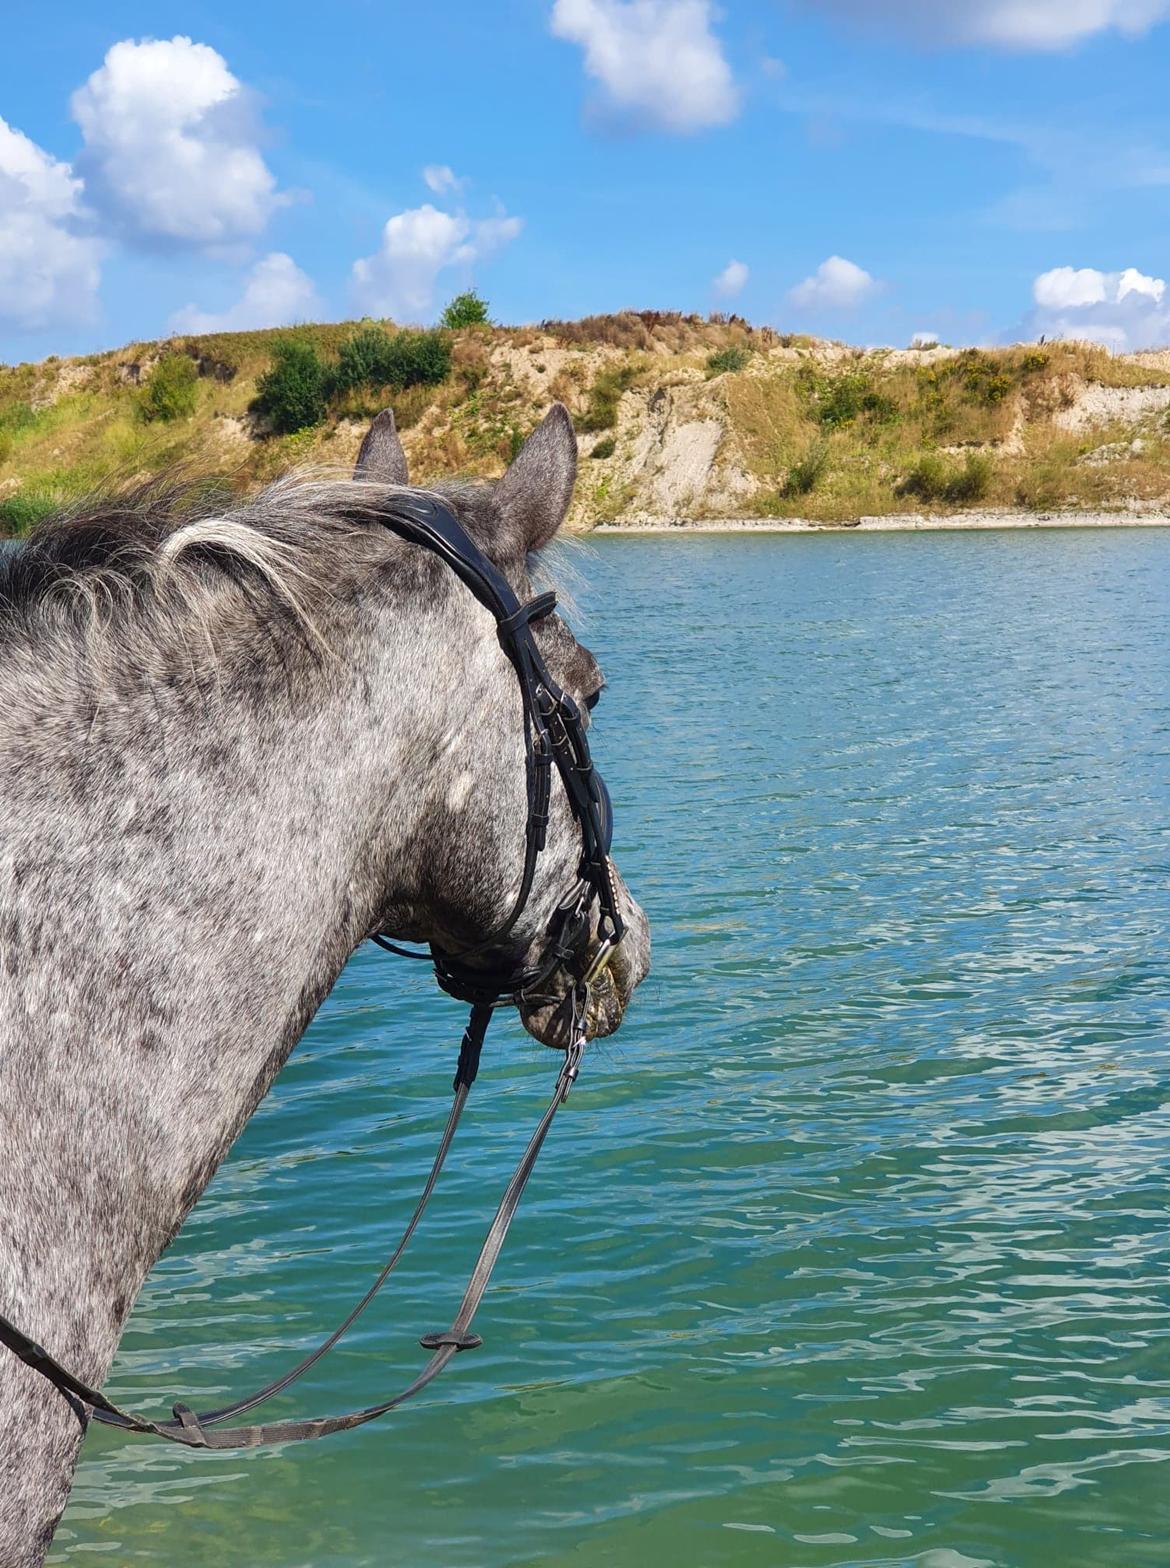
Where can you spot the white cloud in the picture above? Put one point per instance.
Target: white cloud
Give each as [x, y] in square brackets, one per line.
[1123, 310]
[1068, 286]
[417, 245]
[170, 145]
[276, 294]
[837, 284]
[657, 61]
[731, 280]
[492, 234]
[924, 340]
[1009, 24]
[49, 271]
[442, 179]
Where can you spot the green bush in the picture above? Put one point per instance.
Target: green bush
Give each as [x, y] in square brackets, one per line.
[363, 360]
[934, 479]
[419, 359]
[805, 474]
[973, 480]
[604, 448]
[604, 397]
[19, 512]
[731, 358]
[839, 400]
[17, 416]
[984, 378]
[466, 310]
[373, 357]
[293, 394]
[171, 391]
[14, 419]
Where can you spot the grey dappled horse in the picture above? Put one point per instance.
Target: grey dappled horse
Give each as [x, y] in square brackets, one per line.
[232, 747]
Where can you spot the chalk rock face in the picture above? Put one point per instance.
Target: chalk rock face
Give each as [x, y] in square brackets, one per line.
[674, 455]
[1099, 405]
[682, 472]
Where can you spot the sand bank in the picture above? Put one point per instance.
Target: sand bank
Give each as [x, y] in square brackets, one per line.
[906, 522]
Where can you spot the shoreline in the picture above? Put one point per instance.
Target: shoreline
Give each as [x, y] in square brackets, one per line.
[895, 522]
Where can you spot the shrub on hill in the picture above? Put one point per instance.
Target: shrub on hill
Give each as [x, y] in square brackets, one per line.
[363, 360]
[19, 512]
[934, 479]
[604, 397]
[171, 391]
[727, 359]
[15, 419]
[805, 474]
[293, 394]
[373, 358]
[419, 359]
[840, 399]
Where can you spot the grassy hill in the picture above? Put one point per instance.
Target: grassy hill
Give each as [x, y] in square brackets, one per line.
[679, 417]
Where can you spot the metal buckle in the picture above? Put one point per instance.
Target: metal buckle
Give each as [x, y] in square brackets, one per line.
[572, 1064]
[600, 961]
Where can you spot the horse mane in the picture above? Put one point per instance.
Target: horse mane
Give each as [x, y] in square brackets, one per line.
[163, 557]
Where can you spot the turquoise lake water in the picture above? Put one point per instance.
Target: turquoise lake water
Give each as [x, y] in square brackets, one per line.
[852, 1247]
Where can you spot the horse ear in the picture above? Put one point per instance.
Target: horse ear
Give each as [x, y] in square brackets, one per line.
[535, 492]
[381, 456]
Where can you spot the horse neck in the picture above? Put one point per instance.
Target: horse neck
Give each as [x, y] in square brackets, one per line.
[180, 884]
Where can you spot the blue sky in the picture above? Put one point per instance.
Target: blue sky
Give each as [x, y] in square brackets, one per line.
[873, 168]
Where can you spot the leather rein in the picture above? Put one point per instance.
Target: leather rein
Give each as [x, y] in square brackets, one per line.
[554, 736]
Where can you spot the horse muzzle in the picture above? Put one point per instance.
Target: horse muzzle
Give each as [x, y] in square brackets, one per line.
[554, 1018]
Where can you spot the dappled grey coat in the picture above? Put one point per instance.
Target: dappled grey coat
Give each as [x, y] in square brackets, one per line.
[234, 741]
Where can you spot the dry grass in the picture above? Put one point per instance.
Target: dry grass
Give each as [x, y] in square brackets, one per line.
[824, 431]
[659, 331]
[878, 433]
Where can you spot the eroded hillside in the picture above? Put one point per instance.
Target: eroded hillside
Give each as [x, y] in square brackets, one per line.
[679, 418]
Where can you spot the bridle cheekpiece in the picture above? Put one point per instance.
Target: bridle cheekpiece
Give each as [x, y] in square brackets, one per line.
[554, 734]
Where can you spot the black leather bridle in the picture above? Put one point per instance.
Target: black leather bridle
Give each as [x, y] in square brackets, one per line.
[554, 733]
[554, 736]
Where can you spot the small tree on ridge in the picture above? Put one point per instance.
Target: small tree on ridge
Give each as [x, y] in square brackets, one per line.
[466, 310]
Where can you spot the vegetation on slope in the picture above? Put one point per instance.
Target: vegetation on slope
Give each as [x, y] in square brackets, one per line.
[980, 427]
[679, 416]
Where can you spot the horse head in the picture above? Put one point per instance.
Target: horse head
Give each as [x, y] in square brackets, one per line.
[472, 844]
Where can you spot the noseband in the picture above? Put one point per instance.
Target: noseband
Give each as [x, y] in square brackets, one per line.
[554, 735]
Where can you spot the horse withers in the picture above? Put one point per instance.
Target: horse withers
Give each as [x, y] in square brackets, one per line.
[235, 742]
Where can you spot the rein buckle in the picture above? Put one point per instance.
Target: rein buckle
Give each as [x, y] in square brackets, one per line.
[449, 1338]
[571, 1065]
